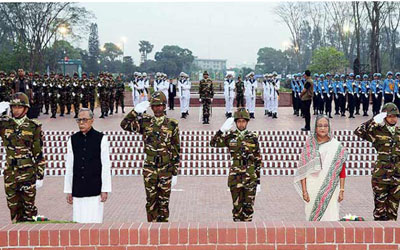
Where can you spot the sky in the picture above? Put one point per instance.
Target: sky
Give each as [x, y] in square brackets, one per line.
[211, 30]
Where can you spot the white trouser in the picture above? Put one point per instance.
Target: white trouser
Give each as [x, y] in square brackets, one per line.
[229, 104]
[135, 97]
[274, 104]
[266, 103]
[184, 100]
[250, 104]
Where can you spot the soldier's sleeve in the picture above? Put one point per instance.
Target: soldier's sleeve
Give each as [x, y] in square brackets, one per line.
[257, 159]
[37, 150]
[200, 90]
[367, 130]
[219, 140]
[176, 149]
[131, 122]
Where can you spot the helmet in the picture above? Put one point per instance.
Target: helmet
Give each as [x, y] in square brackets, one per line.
[390, 108]
[342, 76]
[365, 76]
[328, 74]
[144, 74]
[358, 76]
[379, 74]
[241, 113]
[158, 98]
[389, 73]
[322, 75]
[205, 73]
[274, 73]
[316, 75]
[182, 74]
[20, 99]
[251, 73]
[397, 73]
[351, 74]
[336, 75]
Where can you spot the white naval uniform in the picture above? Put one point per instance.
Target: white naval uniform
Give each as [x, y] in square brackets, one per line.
[89, 209]
[266, 94]
[229, 93]
[274, 95]
[184, 92]
[250, 94]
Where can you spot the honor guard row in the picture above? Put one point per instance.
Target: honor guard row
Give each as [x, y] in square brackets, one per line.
[348, 93]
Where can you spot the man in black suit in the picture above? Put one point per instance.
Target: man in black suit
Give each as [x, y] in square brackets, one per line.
[171, 94]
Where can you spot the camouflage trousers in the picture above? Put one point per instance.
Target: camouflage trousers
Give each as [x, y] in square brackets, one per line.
[386, 199]
[20, 198]
[157, 183]
[68, 102]
[104, 103]
[85, 101]
[206, 107]
[76, 100]
[91, 101]
[119, 99]
[46, 102]
[53, 105]
[243, 191]
[111, 103]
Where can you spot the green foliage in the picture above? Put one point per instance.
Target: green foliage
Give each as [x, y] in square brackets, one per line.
[328, 59]
[270, 59]
[173, 59]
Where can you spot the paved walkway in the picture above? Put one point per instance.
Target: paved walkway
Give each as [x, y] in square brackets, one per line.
[198, 199]
[285, 121]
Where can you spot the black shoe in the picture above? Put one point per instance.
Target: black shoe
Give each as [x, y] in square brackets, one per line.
[337, 113]
[116, 111]
[365, 114]
[182, 115]
[357, 113]
[53, 116]
[229, 115]
[269, 114]
[69, 112]
[265, 112]
[62, 115]
[123, 111]
[102, 115]
[106, 114]
[275, 116]
[76, 116]
[342, 115]
[305, 129]
[187, 113]
[47, 112]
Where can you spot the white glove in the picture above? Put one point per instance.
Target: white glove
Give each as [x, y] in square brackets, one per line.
[98, 95]
[4, 106]
[174, 180]
[39, 184]
[379, 117]
[258, 188]
[228, 124]
[73, 94]
[141, 107]
[199, 99]
[376, 96]
[328, 95]
[58, 95]
[81, 95]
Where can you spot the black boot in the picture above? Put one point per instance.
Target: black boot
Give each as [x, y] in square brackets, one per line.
[182, 115]
[365, 113]
[265, 112]
[61, 114]
[330, 116]
[76, 115]
[53, 116]
[123, 111]
[275, 116]
[187, 113]
[269, 114]
[116, 110]
[102, 115]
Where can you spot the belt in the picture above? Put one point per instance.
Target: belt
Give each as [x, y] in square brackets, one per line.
[19, 162]
[389, 158]
[158, 159]
[242, 162]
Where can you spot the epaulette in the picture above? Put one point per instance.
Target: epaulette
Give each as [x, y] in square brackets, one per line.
[36, 122]
[174, 121]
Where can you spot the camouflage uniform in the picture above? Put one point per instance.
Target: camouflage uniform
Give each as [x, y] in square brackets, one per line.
[46, 91]
[386, 173]
[162, 148]
[244, 173]
[37, 91]
[68, 93]
[92, 92]
[10, 81]
[119, 95]
[239, 93]
[5, 90]
[62, 88]
[76, 94]
[103, 96]
[25, 164]
[111, 92]
[84, 82]
[53, 95]
[206, 92]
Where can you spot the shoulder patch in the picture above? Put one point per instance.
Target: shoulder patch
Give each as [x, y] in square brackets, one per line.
[173, 121]
[36, 122]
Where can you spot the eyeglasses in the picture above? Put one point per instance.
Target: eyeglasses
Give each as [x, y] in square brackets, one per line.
[322, 126]
[84, 120]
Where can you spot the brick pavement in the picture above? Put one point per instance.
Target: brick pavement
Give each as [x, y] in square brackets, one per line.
[198, 199]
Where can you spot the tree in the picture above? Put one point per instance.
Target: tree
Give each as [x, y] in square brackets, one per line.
[174, 59]
[110, 52]
[35, 25]
[145, 48]
[328, 59]
[57, 52]
[270, 59]
[127, 65]
[94, 49]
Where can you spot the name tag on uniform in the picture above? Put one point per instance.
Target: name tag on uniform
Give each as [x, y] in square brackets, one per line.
[24, 132]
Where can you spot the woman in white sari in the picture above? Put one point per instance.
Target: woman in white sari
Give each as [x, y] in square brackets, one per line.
[320, 174]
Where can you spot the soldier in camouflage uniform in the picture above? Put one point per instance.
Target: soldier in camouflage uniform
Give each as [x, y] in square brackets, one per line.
[62, 91]
[92, 91]
[68, 93]
[206, 92]
[162, 148]
[53, 94]
[111, 92]
[4, 86]
[10, 82]
[244, 173]
[385, 137]
[119, 94]
[84, 82]
[22, 139]
[46, 91]
[102, 94]
[239, 92]
[37, 91]
[76, 94]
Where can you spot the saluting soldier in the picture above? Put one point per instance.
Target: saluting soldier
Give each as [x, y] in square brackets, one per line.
[162, 149]
[244, 173]
[384, 135]
[206, 93]
[24, 170]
